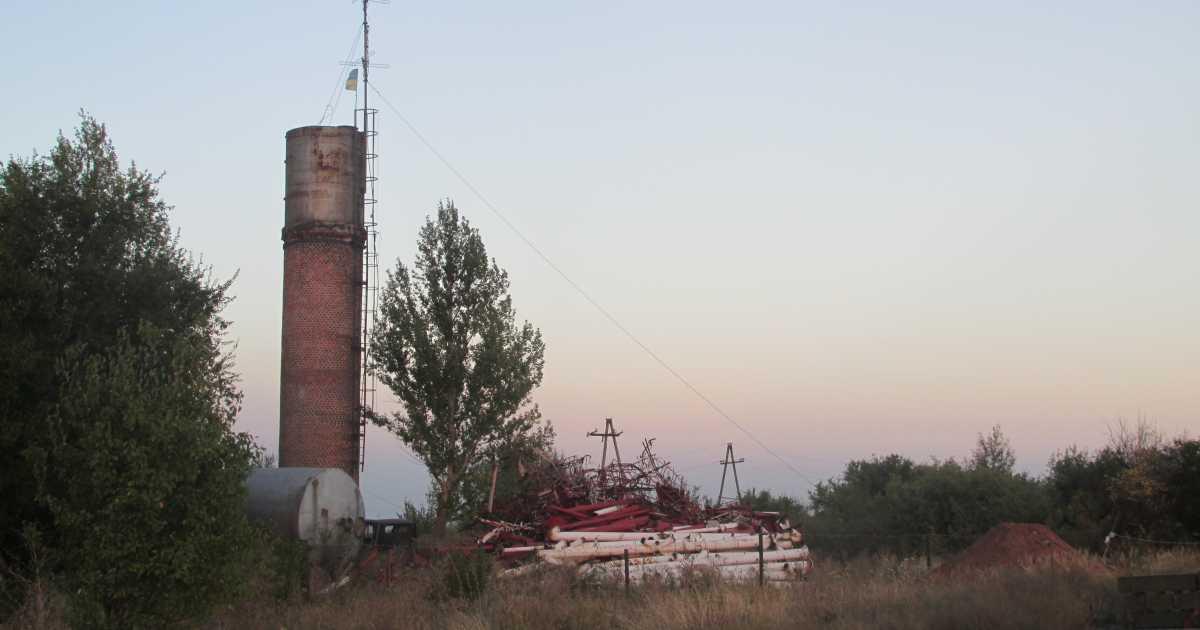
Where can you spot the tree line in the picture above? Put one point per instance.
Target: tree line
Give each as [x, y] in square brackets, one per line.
[1139, 486]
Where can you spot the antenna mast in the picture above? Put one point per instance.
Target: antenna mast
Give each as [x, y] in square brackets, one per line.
[370, 263]
[366, 61]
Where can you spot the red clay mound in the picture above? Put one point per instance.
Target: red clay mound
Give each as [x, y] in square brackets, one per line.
[1015, 545]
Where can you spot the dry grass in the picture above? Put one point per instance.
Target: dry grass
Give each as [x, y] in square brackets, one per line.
[44, 609]
[881, 592]
[1014, 600]
[877, 593]
[1168, 561]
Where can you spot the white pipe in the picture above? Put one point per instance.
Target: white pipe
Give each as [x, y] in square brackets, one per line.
[621, 540]
[614, 544]
[801, 565]
[557, 535]
[773, 571]
[516, 550]
[640, 560]
[728, 535]
[723, 527]
[582, 552]
[706, 528]
[728, 558]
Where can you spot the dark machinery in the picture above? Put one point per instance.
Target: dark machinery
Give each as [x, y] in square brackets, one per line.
[388, 544]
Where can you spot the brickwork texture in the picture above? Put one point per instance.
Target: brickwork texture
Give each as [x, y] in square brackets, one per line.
[322, 317]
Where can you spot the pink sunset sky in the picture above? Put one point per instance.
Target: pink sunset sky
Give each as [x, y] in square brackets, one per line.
[859, 229]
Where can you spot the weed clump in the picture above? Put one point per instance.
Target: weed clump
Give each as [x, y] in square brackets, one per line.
[464, 576]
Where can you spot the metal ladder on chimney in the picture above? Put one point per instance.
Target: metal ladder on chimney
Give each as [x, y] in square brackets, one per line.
[370, 285]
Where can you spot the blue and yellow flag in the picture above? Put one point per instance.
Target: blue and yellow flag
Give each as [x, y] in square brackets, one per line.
[352, 80]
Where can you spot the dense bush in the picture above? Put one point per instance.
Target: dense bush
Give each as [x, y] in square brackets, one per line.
[892, 504]
[154, 527]
[117, 397]
[1139, 486]
[763, 501]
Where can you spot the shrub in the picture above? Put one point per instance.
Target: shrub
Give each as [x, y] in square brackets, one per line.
[155, 530]
[465, 576]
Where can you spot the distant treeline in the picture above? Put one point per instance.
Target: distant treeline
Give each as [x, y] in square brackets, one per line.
[1139, 486]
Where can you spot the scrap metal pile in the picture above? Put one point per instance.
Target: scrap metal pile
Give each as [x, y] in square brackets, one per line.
[641, 513]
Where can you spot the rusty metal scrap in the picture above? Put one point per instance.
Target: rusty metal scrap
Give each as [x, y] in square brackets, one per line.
[640, 513]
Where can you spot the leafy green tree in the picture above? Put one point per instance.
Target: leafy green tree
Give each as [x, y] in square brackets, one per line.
[789, 507]
[508, 461]
[1078, 484]
[851, 498]
[1139, 485]
[957, 505]
[446, 342]
[851, 514]
[92, 280]
[892, 504]
[153, 532]
[1181, 471]
[993, 452]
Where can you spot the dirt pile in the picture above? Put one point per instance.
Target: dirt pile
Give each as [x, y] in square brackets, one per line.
[1016, 545]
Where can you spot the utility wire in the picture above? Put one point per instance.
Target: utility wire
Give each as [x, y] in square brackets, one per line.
[409, 454]
[603, 311]
[398, 507]
[335, 97]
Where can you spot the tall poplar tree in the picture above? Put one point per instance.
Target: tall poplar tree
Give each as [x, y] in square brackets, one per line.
[447, 343]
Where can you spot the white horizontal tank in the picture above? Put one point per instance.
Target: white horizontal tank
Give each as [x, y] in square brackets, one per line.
[320, 506]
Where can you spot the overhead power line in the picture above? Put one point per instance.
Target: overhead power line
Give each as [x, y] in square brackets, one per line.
[579, 289]
[391, 503]
[335, 97]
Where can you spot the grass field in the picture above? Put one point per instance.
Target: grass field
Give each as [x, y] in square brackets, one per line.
[880, 592]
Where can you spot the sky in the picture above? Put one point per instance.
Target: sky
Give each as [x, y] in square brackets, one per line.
[857, 228]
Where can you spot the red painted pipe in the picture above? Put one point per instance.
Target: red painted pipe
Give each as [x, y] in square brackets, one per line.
[623, 525]
[573, 512]
[592, 507]
[607, 518]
